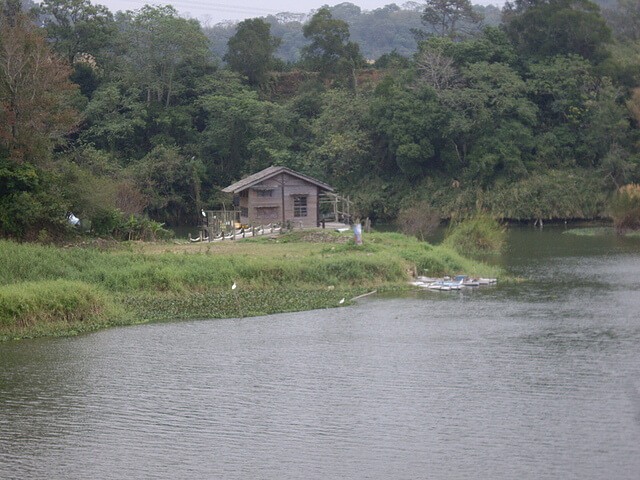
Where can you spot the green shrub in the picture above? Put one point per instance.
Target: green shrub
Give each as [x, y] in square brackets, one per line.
[418, 220]
[480, 233]
[625, 208]
[106, 221]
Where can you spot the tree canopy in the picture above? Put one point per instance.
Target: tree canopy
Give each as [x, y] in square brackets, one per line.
[330, 48]
[558, 27]
[450, 18]
[251, 50]
[121, 118]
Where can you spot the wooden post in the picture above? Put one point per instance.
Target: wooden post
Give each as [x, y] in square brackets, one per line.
[317, 207]
[282, 190]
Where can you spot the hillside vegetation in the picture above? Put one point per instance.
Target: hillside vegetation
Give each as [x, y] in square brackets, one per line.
[130, 121]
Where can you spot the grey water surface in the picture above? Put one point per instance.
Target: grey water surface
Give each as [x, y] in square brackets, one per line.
[532, 380]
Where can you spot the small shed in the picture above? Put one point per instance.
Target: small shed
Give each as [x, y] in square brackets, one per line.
[278, 194]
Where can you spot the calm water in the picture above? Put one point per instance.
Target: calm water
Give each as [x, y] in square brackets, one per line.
[539, 380]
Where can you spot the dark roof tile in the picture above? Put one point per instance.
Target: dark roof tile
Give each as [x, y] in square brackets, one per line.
[268, 173]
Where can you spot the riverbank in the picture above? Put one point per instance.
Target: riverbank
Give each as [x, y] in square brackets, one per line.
[600, 230]
[554, 195]
[47, 291]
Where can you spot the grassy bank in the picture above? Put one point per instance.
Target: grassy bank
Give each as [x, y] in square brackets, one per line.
[48, 290]
[600, 231]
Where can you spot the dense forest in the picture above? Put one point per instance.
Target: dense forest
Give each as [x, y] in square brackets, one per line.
[131, 117]
[379, 31]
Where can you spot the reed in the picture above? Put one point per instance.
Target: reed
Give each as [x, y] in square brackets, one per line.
[123, 271]
[28, 305]
[479, 233]
[625, 208]
[553, 194]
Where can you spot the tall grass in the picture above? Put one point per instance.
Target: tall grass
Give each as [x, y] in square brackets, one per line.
[479, 233]
[27, 303]
[123, 272]
[625, 208]
[550, 195]
[47, 285]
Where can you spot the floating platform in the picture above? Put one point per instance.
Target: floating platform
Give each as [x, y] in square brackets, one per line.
[447, 284]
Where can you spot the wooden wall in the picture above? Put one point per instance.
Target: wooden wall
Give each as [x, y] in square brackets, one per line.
[268, 209]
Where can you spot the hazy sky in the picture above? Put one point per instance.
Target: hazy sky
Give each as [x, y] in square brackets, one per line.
[218, 11]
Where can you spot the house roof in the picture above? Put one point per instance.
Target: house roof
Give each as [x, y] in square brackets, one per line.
[270, 172]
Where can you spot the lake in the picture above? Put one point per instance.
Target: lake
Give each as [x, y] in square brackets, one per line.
[538, 379]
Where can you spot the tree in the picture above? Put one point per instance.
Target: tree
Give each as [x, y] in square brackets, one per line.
[436, 69]
[582, 113]
[35, 93]
[160, 49]
[31, 203]
[450, 18]
[148, 98]
[77, 27]
[171, 182]
[251, 50]
[490, 45]
[35, 116]
[11, 10]
[242, 133]
[540, 28]
[625, 19]
[633, 104]
[342, 140]
[330, 51]
[407, 126]
[116, 120]
[490, 129]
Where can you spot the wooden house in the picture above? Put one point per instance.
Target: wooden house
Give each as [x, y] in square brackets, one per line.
[278, 194]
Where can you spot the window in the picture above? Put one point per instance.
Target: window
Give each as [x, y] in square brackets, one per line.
[244, 212]
[244, 194]
[300, 206]
[267, 213]
[265, 193]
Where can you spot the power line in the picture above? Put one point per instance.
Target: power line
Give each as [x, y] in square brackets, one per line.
[185, 4]
[227, 7]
